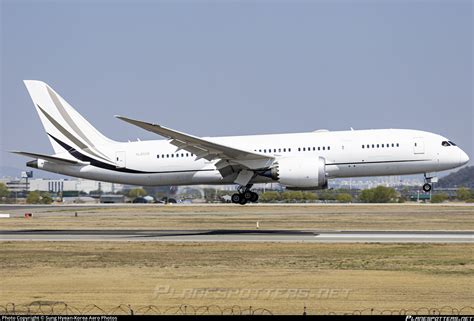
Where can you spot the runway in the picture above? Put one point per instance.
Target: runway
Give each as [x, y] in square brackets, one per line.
[241, 236]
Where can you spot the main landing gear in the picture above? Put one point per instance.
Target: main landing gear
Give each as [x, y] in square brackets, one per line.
[244, 195]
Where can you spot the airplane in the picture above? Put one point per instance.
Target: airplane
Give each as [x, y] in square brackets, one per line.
[300, 161]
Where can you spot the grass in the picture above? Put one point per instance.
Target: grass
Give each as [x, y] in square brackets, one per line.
[281, 277]
[328, 277]
[319, 217]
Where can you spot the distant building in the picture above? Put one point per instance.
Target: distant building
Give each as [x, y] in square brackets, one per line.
[60, 185]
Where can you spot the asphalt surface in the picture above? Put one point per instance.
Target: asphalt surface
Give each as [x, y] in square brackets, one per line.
[241, 236]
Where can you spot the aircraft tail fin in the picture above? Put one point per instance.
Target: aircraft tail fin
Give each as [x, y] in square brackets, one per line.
[65, 127]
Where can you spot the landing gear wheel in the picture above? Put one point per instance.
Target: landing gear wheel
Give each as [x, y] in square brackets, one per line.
[243, 201]
[254, 197]
[236, 198]
[248, 195]
[427, 187]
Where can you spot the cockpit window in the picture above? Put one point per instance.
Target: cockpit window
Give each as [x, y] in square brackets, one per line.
[445, 143]
[451, 143]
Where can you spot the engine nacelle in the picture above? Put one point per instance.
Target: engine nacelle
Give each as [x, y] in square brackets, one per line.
[300, 172]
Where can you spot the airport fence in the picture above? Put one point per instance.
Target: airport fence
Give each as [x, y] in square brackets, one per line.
[62, 308]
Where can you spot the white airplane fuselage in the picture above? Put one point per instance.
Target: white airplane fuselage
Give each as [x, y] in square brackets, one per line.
[297, 161]
[352, 153]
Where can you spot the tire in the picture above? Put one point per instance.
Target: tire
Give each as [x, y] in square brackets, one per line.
[254, 197]
[236, 198]
[248, 195]
[243, 201]
[427, 187]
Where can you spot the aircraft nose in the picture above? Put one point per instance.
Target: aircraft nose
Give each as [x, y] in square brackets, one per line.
[463, 159]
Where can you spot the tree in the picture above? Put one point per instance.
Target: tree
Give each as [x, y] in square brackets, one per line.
[136, 192]
[35, 197]
[269, 196]
[292, 196]
[367, 196]
[380, 194]
[310, 196]
[463, 194]
[326, 195]
[439, 198]
[45, 198]
[4, 192]
[344, 198]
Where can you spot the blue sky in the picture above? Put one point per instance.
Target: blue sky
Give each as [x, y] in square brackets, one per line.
[230, 68]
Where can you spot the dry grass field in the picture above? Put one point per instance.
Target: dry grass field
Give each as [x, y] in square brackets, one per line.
[281, 277]
[318, 217]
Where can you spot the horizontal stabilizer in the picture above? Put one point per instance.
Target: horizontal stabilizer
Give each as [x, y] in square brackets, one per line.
[53, 159]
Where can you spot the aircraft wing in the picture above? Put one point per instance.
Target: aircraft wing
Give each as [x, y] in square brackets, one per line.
[205, 148]
[53, 159]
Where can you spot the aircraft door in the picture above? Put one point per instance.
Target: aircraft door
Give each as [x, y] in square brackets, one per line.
[120, 160]
[418, 145]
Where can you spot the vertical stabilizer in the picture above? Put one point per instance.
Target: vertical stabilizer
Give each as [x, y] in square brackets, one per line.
[65, 127]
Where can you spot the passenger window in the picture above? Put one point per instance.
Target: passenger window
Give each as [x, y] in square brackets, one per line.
[373, 146]
[299, 149]
[398, 145]
[377, 145]
[167, 155]
[324, 148]
[289, 149]
[383, 145]
[284, 150]
[363, 146]
[393, 145]
[329, 147]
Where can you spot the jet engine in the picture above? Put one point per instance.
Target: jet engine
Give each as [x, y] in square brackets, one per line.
[299, 173]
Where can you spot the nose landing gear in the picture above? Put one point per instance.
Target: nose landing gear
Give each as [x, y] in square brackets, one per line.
[244, 195]
[427, 187]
